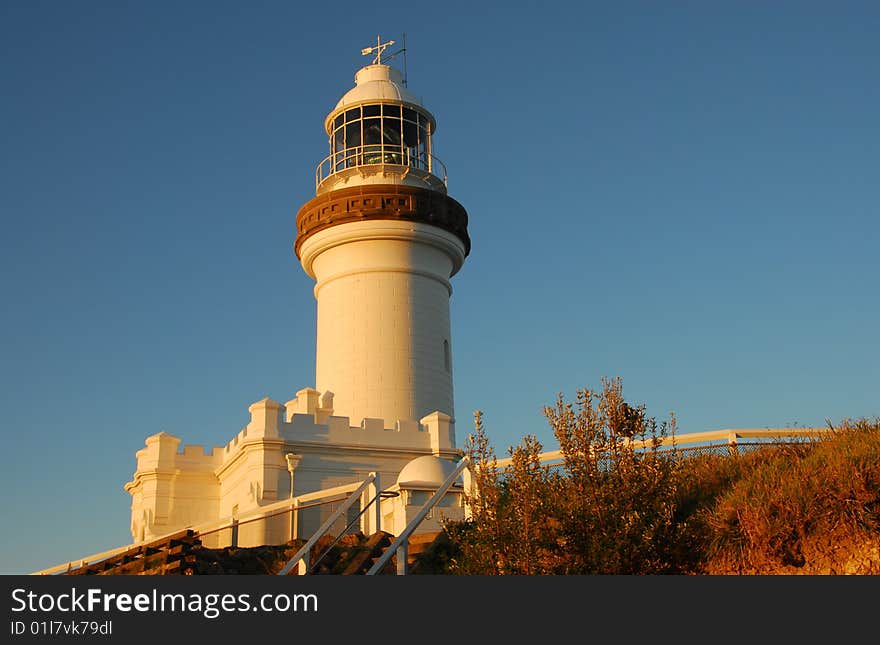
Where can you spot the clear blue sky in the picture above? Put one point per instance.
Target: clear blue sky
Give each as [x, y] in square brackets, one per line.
[682, 194]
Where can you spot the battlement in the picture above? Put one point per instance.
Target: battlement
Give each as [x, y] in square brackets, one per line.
[163, 452]
[308, 419]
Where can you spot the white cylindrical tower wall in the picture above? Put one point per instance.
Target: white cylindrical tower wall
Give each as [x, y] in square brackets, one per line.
[384, 346]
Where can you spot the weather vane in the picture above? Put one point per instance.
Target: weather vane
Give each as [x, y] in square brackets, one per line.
[379, 48]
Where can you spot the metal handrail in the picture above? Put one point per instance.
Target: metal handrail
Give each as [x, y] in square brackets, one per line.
[382, 494]
[289, 507]
[378, 155]
[400, 543]
[303, 553]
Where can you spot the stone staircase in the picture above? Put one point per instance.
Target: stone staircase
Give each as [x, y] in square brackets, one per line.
[183, 554]
[172, 555]
[357, 554]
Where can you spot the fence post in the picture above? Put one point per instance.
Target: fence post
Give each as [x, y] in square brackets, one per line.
[731, 443]
[366, 519]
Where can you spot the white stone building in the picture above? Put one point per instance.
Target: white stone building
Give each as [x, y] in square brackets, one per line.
[381, 238]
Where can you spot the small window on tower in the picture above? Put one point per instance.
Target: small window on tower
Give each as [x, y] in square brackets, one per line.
[447, 356]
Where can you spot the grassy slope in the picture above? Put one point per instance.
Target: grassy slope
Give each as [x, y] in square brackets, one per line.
[811, 508]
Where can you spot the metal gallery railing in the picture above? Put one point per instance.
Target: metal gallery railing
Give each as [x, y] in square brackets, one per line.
[377, 155]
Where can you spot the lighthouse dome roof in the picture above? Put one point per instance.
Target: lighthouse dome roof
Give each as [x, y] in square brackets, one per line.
[426, 472]
[377, 84]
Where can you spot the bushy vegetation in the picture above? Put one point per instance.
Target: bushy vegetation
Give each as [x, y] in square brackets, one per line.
[619, 504]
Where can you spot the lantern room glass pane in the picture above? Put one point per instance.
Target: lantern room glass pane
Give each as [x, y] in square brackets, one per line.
[372, 131]
[391, 110]
[353, 134]
[422, 149]
[352, 115]
[410, 134]
[391, 131]
[391, 140]
[411, 143]
[372, 110]
[338, 121]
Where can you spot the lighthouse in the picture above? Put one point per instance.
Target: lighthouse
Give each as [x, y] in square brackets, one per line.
[382, 238]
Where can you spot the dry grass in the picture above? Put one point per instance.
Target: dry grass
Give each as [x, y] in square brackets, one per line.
[810, 507]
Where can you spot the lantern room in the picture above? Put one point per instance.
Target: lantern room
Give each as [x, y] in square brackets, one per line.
[379, 132]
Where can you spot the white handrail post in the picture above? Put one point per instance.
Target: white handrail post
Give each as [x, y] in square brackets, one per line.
[366, 496]
[378, 503]
[372, 524]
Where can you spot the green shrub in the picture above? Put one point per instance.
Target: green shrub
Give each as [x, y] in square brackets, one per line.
[609, 508]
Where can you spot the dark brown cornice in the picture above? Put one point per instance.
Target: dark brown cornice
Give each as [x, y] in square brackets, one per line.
[381, 201]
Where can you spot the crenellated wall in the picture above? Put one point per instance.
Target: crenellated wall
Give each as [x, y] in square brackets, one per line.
[176, 487]
[172, 487]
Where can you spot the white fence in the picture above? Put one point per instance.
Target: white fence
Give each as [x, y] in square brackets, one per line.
[706, 440]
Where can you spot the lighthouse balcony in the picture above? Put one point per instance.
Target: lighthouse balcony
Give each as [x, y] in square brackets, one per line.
[382, 164]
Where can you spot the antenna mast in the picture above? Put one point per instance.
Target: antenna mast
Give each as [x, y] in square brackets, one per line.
[404, 59]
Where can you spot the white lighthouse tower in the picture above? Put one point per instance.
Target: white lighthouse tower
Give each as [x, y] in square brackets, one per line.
[381, 239]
